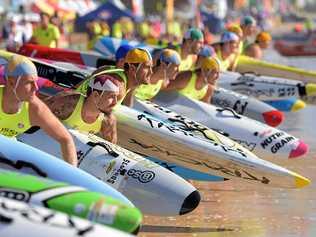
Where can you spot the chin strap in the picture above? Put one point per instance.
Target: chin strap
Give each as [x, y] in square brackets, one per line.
[164, 74]
[204, 76]
[14, 91]
[137, 69]
[97, 103]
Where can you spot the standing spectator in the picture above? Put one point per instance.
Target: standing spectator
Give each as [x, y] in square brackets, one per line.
[46, 34]
[27, 29]
[117, 30]
[105, 28]
[57, 20]
[14, 35]
[94, 32]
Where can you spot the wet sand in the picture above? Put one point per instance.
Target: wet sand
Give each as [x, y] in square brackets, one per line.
[239, 209]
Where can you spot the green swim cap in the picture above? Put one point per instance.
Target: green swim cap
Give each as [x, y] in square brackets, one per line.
[248, 20]
[194, 34]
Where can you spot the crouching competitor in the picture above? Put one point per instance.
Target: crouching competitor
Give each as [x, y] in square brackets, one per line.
[136, 65]
[228, 51]
[165, 70]
[92, 111]
[262, 42]
[89, 108]
[192, 43]
[200, 83]
[21, 109]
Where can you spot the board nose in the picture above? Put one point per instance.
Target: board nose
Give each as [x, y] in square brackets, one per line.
[136, 231]
[300, 150]
[273, 118]
[190, 202]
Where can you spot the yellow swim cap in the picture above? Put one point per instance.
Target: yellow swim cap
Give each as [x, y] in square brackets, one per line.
[138, 55]
[263, 37]
[235, 29]
[210, 63]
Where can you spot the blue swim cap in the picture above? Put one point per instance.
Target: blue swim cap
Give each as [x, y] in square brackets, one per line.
[20, 66]
[228, 37]
[170, 56]
[122, 51]
[207, 51]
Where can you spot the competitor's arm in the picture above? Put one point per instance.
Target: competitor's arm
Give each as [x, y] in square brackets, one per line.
[234, 62]
[40, 115]
[129, 98]
[253, 51]
[109, 129]
[180, 82]
[208, 96]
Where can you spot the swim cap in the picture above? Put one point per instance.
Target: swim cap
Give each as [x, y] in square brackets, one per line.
[122, 51]
[263, 37]
[170, 56]
[194, 34]
[138, 55]
[248, 20]
[207, 51]
[235, 29]
[228, 37]
[104, 82]
[20, 66]
[210, 63]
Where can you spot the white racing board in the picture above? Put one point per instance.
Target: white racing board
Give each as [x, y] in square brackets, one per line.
[266, 142]
[266, 87]
[20, 157]
[18, 219]
[247, 106]
[152, 188]
[145, 134]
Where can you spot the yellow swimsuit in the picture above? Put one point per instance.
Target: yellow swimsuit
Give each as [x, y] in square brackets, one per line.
[191, 91]
[12, 125]
[75, 120]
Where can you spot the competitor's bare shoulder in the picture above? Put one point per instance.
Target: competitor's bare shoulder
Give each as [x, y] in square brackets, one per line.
[63, 104]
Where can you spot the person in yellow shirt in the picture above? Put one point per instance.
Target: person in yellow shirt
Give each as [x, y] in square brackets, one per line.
[192, 43]
[127, 27]
[90, 112]
[165, 70]
[249, 28]
[94, 30]
[205, 52]
[198, 84]
[143, 30]
[105, 28]
[90, 107]
[117, 30]
[227, 51]
[46, 34]
[262, 42]
[238, 31]
[20, 108]
[133, 68]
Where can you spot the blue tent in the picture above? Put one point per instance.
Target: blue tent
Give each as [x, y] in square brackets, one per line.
[107, 11]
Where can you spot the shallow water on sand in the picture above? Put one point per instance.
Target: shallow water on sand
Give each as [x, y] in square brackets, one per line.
[238, 209]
